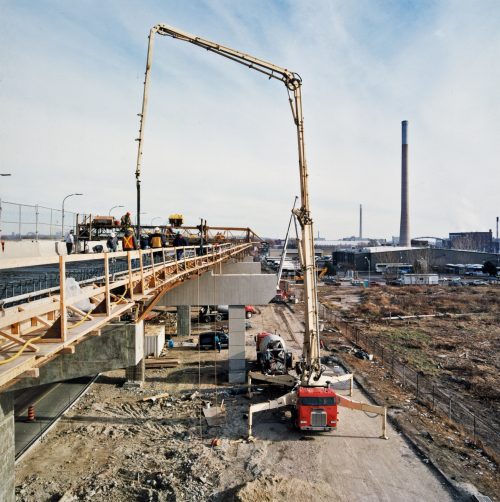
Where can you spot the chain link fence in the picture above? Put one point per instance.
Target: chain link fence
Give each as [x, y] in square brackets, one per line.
[436, 397]
[25, 221]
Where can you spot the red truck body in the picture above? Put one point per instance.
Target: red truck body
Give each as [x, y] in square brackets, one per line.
[316, 409]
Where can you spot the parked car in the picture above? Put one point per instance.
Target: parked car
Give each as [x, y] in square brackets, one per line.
[206, 340]
[220, 312]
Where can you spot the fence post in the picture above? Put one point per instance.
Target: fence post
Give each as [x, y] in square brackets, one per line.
[20, 216]
[382, 354]
[36, 222]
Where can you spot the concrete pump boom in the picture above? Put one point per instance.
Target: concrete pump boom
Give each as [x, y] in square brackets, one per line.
[310, 367]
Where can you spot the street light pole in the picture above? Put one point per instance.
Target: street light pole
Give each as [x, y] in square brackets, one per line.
[64, 200]
[369, 270]
[114, 207]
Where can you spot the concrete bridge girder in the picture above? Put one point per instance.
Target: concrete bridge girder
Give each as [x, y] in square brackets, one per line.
[236, 285]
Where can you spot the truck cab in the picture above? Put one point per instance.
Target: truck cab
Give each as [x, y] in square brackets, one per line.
[316, 409]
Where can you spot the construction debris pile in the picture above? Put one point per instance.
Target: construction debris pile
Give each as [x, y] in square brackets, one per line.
[162, 448]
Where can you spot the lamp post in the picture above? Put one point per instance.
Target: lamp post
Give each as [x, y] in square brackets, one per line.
[64, 200]
[114, 207]
[369, 270]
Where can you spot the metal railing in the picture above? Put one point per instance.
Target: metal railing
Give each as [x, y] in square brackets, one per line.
[25, 221]
[437, 397]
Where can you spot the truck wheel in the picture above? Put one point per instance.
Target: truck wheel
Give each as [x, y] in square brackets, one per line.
[218, 317]
[248, 315]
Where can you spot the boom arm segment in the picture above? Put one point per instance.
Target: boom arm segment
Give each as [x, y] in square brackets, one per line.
[310, 365]
[366, 407]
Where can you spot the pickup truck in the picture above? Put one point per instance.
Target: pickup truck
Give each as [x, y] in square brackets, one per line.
[221, 312]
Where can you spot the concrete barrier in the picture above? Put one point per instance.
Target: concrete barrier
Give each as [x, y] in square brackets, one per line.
[30, 248]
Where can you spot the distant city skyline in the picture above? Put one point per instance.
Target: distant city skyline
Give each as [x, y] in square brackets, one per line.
[220, 141]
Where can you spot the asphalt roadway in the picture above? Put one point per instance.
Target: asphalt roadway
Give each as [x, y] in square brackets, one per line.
[49, 401]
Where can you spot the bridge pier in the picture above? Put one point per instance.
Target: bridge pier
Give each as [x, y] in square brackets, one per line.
[238, 284]
[184, 320]
[237, 360]
[7, 473]
[134, 375]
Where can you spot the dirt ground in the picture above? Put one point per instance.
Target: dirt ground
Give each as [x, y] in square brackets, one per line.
[461, 353]
[114, 446]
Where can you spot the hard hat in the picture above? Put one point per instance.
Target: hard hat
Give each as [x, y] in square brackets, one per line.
[157, 230]
[130, 229]
[113, 234]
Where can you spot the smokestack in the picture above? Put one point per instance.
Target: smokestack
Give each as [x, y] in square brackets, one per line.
[404, 229]
[360, 221]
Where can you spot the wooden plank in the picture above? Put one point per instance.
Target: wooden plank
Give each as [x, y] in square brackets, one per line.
[62, 298]
[19, 341]
[107, 298]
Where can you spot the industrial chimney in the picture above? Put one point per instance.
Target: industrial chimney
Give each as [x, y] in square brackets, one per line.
[360, 221]
[404, 229]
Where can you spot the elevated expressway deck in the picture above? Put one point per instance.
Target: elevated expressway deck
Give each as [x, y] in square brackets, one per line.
[42, 326]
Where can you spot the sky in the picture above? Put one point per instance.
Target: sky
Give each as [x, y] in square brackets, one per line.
[219, 140]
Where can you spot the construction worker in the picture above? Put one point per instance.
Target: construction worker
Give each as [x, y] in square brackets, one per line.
[179, 241]
[70, 241]
[112, 243]
[157, 239]
[125, 221]
[128, 240]
[217, 342]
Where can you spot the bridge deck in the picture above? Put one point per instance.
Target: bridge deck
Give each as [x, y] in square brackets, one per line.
[36, 330]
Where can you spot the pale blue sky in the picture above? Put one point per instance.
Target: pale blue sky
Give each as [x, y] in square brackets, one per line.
[219, 140]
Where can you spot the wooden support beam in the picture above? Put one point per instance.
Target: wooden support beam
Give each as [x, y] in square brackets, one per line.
[19, 341]
[68, 350]
[107, 299]
[141, 267]
[79, 312]
[62, 297]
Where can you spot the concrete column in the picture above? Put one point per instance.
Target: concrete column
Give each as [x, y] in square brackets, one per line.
[184, 320]
[237, 361]
[7, 479]
[135, 373]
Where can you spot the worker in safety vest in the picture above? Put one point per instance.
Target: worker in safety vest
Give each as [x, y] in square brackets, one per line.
[125, 221]
[157, 239]
[128, 240]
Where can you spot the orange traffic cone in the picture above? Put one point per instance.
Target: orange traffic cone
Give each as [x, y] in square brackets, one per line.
[31, 414]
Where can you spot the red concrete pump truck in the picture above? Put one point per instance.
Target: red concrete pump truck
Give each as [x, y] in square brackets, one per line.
[312, 397]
